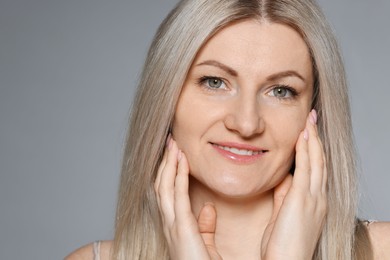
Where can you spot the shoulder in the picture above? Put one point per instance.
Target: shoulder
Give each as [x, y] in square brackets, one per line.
[380, 239]
[87, 252]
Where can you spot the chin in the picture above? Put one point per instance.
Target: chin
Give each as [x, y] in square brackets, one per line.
[229, 187]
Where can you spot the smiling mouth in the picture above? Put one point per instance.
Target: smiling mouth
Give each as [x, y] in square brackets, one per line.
[240, 151]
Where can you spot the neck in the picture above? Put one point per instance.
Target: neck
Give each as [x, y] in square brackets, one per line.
[240, 221]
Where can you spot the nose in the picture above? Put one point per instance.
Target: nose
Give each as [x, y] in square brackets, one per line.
[244, 117]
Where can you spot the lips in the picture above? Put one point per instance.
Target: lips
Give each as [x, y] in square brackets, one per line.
[240, 153]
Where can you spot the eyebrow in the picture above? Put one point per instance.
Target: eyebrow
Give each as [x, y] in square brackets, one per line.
[273, 77]
[219, 65]
[285, 74]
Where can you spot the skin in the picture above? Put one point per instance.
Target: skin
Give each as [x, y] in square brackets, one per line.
[216, 207]
[246, 110]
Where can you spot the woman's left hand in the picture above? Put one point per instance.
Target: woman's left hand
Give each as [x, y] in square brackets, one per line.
[300, 202]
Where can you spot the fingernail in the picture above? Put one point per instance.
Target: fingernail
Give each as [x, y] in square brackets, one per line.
[179, 155]
[313, 116]
[306, 134]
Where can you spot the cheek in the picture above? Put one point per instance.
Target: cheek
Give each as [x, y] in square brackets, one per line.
[287, 127]
[195, 114]
[187, 124]
[181, 127]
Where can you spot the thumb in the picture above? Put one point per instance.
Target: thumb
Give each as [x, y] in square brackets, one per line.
[207, 222]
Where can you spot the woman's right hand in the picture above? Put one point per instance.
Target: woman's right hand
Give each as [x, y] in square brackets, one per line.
[187, 237]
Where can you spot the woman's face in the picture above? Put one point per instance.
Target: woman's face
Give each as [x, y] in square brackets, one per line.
[242, 107]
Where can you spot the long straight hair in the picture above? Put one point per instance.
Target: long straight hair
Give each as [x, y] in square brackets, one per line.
[138, 229]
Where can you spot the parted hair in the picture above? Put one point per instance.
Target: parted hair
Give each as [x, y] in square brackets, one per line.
[138, 227]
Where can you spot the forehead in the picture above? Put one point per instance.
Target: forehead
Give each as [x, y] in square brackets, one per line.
[258, 47]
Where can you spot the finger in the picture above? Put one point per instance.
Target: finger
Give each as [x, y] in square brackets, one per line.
[280, 193]
[182, 199]
[325, 168]
[162, 164]
[302, 161]
[166, 186]
[207, 223]
[316, 156]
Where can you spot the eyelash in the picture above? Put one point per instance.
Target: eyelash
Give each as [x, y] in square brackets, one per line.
[203, 83]
[292, 91]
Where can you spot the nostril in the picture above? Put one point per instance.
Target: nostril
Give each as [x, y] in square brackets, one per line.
[245, 123]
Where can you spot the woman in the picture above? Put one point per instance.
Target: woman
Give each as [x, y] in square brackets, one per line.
[240, 142]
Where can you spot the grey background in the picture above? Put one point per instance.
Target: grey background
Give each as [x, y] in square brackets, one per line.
[67, 76]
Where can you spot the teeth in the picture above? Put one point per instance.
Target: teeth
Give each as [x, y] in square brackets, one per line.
[240, 151]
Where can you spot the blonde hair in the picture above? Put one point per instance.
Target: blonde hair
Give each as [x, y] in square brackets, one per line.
[138, 230]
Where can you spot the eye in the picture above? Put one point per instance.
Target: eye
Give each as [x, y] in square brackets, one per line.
[212, 83]
[282, 92]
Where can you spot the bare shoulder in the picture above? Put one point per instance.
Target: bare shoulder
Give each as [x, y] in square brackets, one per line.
[87, 252]
[380, 239]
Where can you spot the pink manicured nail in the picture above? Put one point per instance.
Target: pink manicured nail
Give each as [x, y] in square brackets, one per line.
[306, 134]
